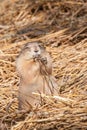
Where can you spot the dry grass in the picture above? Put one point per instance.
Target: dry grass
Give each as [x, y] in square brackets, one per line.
[68, 47]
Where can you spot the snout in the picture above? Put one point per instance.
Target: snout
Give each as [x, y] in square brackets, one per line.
[36, 55]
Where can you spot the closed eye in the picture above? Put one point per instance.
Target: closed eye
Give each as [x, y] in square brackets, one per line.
[42, 47]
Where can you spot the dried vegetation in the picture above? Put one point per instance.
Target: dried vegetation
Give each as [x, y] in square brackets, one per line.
[62, 26]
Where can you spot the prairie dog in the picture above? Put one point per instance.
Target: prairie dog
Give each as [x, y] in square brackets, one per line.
[34, 66]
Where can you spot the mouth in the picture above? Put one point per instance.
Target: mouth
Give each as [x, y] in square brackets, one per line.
[36, 57]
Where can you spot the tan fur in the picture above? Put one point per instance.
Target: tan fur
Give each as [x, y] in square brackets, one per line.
[33, 77]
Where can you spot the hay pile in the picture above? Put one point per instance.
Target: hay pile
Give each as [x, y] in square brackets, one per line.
[62, 27]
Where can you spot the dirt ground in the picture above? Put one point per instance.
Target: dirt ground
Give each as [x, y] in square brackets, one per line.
[62, 26]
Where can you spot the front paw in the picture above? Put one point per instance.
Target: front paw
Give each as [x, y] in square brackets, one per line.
[44, 60]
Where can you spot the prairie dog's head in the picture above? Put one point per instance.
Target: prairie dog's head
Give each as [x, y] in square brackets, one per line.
[32, 50]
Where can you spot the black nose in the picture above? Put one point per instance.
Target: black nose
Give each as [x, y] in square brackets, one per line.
[36, 51]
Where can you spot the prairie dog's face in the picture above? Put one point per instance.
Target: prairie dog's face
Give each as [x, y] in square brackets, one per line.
[32, 50]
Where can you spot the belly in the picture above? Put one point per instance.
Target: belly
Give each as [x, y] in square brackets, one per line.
[41, 85]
